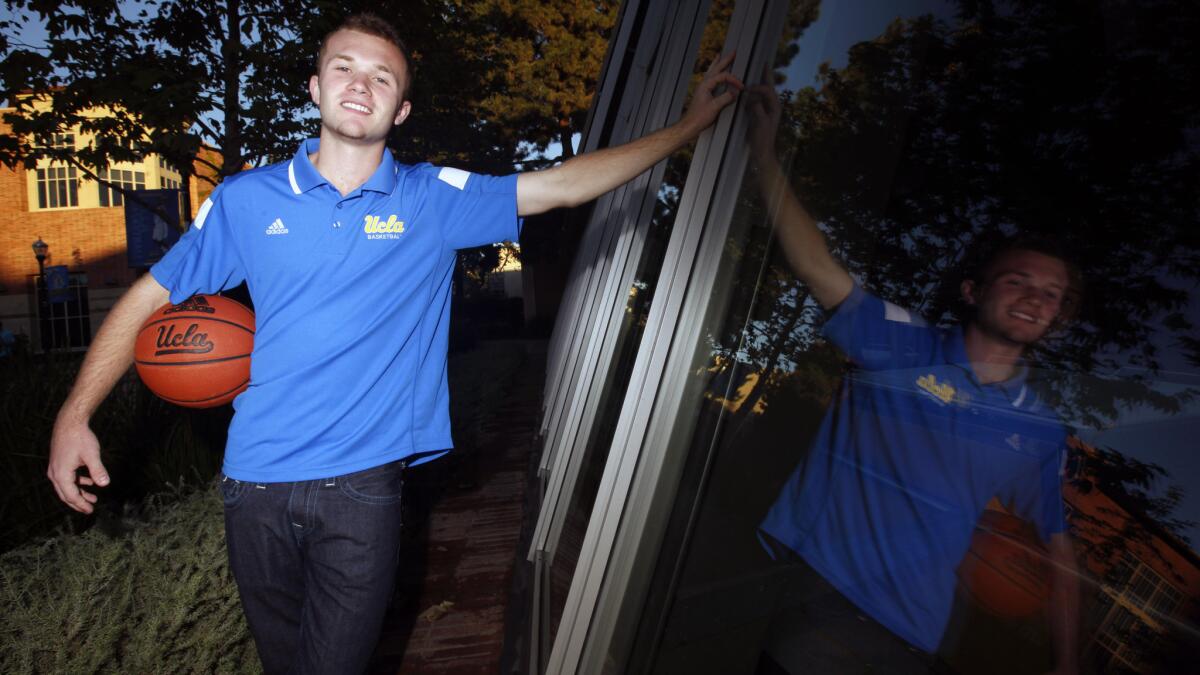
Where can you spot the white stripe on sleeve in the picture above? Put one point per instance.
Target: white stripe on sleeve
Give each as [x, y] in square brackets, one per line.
[456, 177]
[202, 214]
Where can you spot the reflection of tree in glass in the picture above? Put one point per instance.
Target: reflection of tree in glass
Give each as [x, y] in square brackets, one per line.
[936, 136]
[1035, 121]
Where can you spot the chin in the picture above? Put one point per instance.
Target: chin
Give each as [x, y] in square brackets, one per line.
[1026, 336]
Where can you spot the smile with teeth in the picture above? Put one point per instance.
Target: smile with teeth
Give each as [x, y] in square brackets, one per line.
[356, 106]
[1024, 317]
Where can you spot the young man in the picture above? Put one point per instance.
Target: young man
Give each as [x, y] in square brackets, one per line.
[348, 257]
[927, 429]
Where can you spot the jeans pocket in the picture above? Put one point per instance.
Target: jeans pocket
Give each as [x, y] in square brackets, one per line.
[379, 485]
[233, 491]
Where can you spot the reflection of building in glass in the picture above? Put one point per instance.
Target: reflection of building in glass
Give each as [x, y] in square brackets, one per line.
[1147, 580]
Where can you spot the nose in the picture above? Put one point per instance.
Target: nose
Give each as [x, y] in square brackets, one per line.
[358, 84]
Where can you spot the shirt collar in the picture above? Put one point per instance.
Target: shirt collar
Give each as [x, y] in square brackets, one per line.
[1015, 389]
[303, 176]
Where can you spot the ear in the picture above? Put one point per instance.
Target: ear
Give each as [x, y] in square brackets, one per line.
[402, 113]
[968, 291]
[314, 89]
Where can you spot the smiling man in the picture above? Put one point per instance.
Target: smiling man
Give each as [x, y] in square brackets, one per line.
[930, 425]
[348, 257]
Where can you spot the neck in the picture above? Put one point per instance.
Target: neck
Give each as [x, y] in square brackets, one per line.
[993, 359]
[346, 165]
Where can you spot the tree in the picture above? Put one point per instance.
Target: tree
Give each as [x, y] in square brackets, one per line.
[232, 75]
[938, 134]
[175, 75]
[493, 81]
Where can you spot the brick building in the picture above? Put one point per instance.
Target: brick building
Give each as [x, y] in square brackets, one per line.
[83, 223]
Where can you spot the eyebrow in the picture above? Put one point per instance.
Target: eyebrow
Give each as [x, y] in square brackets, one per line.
[1026, 275]
[347, 57]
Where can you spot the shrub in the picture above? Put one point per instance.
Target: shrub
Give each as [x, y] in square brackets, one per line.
[154, 596]
[146, 444]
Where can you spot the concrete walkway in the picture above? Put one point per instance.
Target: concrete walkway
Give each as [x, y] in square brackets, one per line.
[453, 592]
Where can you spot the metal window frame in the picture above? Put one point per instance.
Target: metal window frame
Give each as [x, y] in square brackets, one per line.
[629, 225]
[606, 108]
[641, 477]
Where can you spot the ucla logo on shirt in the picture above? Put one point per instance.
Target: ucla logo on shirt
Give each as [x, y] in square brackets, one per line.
[944, 392]
[378, 228]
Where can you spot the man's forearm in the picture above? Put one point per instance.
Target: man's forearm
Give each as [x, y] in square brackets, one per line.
[111, 353]
[802, 242]
[585, 177]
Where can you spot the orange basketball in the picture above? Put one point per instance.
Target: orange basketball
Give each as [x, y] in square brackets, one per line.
[197, 353]
[1006, 570]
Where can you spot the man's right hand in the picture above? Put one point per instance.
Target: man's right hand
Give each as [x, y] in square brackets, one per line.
[73, 445]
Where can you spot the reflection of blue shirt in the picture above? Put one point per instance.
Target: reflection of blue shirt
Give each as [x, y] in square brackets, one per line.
[7, 340]
[885, 504]
[352, 303]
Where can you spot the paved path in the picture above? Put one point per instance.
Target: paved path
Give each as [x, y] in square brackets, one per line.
[467, 553]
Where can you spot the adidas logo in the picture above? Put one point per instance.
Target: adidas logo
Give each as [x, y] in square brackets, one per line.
[277, 227]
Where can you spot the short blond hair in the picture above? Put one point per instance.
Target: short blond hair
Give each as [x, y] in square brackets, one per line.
[372, 24]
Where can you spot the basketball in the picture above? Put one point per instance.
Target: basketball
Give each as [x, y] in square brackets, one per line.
[196, 354]
[1006, 571]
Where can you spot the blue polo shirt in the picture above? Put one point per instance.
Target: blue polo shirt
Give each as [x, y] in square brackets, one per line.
[352, 301]
[885, 503]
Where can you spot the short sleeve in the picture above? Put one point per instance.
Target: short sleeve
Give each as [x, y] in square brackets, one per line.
[205, 259]
[877, 335]
[476, 209]
[1041, 501]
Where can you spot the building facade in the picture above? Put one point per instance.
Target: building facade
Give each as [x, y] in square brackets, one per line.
[82, 221]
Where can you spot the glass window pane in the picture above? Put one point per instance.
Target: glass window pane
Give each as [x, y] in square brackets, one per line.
[958, 295]
[637, 306]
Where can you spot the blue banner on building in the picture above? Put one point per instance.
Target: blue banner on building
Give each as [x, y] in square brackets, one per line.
[58, 283]
[152, 225]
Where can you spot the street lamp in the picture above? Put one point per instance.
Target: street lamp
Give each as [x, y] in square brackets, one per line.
[40, 249]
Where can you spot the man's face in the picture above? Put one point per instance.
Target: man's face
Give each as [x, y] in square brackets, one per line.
[1021, 297]
[359, 87]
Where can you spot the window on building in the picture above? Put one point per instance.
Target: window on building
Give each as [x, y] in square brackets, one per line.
[58, 142]
[130, 180]
[58, 187]
[645, 264]
[168, 183]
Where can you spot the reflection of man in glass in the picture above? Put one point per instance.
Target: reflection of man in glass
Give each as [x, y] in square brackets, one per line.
[928, 427]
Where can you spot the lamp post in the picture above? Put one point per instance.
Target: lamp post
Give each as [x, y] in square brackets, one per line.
[40, 249]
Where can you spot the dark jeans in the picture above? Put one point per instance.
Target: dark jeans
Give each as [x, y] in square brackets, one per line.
[315, 562]
[817, 630]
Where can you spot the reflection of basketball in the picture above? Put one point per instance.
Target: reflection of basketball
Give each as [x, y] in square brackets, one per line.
[1006, 570]
[197, 353]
